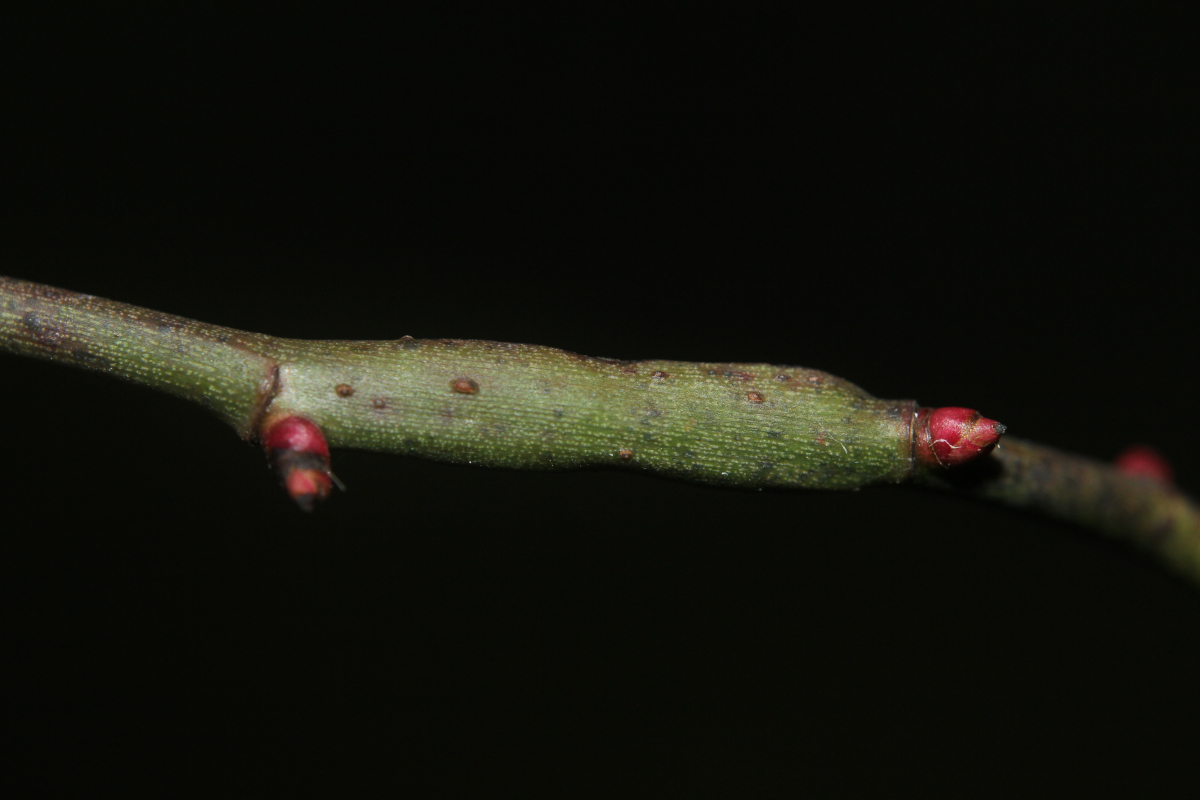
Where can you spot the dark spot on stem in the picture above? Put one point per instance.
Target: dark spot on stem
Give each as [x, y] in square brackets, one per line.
[465, 386]
[46, 334]
[738, 376]
[626, 455]
[815, 380]
[781, 377]
[660, 375]
[754, 397]
[52, 337]
[344, 390]
[558, 412]
[380, 402]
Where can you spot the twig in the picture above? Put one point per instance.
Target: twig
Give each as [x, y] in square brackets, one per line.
[534, 407]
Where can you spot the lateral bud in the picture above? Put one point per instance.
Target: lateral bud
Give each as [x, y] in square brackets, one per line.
[299, 455]
[949, 437]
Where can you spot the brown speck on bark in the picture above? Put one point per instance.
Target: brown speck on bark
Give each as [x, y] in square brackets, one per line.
[344, 390]
[815, 380]
[465, 386]
[660, 375]
[781, 377]
[754, 397]
[380, 402]
[405, 338]
[737, 375]
[626, 455]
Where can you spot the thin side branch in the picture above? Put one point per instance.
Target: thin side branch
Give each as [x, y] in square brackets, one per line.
[1143, 510]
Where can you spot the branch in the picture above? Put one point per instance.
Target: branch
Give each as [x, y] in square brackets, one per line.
[532, 407]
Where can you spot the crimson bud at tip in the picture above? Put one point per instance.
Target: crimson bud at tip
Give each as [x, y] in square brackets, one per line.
[300, 455]
[951, 436]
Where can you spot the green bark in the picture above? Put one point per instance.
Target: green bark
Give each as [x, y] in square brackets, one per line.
[489, 403]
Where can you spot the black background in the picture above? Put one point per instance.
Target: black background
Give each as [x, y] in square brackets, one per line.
[976, 211]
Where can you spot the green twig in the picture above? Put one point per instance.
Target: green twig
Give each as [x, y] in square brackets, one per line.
[533, 407]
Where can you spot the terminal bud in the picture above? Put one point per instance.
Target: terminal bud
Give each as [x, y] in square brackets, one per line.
[951, 436]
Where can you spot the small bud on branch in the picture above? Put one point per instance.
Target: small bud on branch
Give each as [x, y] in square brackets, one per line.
[1145, 461]
[299, 454]
[950, 437]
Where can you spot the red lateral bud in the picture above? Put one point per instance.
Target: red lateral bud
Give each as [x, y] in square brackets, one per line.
[308, 486]
[1145, 462]
[951, 436]
[296, 433]
[300, 456]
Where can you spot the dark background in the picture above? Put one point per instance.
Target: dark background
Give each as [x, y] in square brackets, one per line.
[982, 211]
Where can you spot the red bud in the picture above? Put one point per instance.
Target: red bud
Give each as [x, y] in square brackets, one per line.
[308, 486]
[300, 455]
[1146, 462]
[951, 436]
[296, 433]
